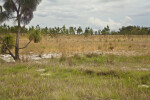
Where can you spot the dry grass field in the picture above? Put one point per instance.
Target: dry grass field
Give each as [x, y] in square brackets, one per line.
[102, 68]
[125, 45]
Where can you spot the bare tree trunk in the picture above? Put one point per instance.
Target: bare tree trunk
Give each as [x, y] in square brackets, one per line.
[17, 40]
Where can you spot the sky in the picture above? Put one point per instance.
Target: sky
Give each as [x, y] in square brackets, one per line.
[96, 14]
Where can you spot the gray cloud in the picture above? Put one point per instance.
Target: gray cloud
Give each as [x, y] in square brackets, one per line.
[82, 12]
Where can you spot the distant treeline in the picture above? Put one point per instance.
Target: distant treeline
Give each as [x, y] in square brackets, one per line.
[128, 30]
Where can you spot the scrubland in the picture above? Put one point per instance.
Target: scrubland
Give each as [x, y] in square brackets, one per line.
[69, 44]
[90, 68]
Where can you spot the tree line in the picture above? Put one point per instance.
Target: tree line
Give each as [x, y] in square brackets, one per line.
[128, 30]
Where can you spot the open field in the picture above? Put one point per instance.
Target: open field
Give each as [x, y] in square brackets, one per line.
[126, 45]
[86, 77]
[102, 68]
[74, 50]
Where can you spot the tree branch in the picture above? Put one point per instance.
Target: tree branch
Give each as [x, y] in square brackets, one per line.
[14, 5]
[12, 17]
[9, 50]
[19, 6]
[26, 45]
[1, 9]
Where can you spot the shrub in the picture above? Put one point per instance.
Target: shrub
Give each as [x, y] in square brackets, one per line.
[90, 55]
[111, 48]
[9, 41]
[35, 35]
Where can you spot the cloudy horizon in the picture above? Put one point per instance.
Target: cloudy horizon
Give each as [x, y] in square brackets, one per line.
[92, 13]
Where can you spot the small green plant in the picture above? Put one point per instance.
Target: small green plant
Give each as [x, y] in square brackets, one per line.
[7, 42]
[35, 35]
[145, 79]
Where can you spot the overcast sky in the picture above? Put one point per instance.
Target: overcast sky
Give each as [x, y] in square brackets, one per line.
[93, 13]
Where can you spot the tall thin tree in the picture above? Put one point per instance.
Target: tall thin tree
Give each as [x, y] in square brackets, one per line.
[20, 11]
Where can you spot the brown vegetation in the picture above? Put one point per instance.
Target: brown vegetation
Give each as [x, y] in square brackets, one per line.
[68, 44]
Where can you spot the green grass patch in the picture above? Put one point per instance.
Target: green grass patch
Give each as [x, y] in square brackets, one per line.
[81, 81]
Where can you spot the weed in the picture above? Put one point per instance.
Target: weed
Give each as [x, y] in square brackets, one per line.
[62, 58]
[129, 46]
[111, 48]
[69, 59]
[145, 79]
[90, 55]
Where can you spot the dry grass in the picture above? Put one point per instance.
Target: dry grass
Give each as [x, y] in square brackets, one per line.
[80, 44]
[89, 77]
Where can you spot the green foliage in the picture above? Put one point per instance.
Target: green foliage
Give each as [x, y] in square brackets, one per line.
[114, 33]
[106, 31]
[134, 30]
[71, 30]
[106, 81]
[63, 30]
[99, 32]
[65, 82]
[27, 9]
[128, 30]
[91, 31]
[79, 30]
[9, 41]
[0, 8]
[17, 69]
[145, 79]
[35, 35]
[87, 31]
